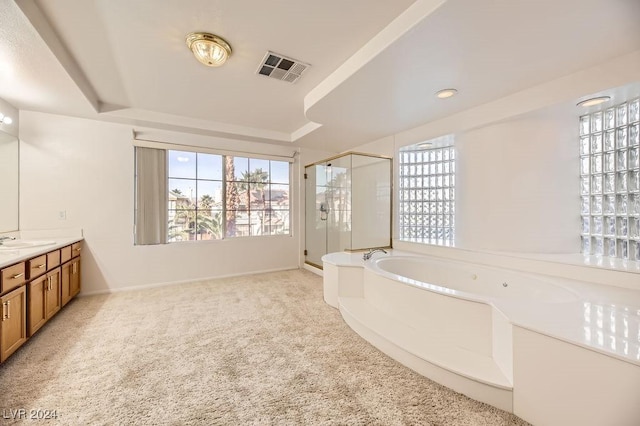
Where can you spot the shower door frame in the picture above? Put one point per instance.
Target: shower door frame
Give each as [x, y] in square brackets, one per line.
[306, 212]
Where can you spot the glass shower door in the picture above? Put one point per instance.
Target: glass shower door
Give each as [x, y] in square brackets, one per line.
[339, 204]
[316, 213]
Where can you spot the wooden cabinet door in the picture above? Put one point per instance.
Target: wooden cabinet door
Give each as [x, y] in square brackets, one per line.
[53, 303]
[13, 329]
[65, 283]
[37, 299]
[76, 282]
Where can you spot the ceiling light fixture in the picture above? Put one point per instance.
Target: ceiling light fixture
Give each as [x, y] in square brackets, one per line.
[4, 119]
[446, 93]
[209, 49]
[593, 101]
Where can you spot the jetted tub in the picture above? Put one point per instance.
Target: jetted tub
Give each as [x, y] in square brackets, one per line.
[496, 335]
[470, 282]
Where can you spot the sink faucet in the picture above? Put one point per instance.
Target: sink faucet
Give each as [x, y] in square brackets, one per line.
[2, 239]
[368, 254]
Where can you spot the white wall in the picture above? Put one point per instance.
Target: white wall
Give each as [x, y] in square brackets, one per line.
[86, 168]
[517, 185]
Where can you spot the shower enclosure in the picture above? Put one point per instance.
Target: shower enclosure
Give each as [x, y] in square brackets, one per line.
[347, 205]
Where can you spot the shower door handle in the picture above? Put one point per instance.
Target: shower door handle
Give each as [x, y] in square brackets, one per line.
[324, 211]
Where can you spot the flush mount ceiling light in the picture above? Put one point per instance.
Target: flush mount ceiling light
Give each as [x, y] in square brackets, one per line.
[446, 93]
[4, 119]
[593, 101]
[209, 49]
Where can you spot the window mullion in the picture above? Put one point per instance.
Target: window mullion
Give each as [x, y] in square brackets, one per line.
[224, 197]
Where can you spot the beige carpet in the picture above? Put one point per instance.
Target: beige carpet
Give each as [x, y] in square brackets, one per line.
[261, 349]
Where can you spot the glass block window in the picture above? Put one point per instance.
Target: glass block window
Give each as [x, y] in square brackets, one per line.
[609, 181]
[427, 192]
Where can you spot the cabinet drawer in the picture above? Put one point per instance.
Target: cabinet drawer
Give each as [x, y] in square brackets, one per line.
[37, 266]
[53, 259]
[75, 249]
[65, 254]
[12, 277]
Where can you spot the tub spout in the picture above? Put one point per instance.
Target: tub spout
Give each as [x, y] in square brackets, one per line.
[368, 254]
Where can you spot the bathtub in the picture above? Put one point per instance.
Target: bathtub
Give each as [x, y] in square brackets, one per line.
[498, 336]
[470, 282]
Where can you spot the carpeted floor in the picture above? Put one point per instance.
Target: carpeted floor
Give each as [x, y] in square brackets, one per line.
[261, 349]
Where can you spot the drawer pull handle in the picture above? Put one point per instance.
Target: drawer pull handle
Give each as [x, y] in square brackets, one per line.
[41, 266]
[16, 276]
[79, 248]
[8, 309]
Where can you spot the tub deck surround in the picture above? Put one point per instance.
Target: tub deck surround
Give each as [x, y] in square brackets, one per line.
[455, 321]
[601, 318]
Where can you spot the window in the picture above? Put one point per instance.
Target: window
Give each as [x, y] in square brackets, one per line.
[609, 185]
[214, 196]
[427, 192]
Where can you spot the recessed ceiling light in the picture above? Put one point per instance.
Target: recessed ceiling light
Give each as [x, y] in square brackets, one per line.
[593, 101]
[5, 120]
[446, 93]
[209, 49]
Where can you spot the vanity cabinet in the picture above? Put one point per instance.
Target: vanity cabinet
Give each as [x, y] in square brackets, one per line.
[13, 299]
[70, 280]
[71, 283]
[45, 299]
[13, 328]
[37, 298]
[33, 291]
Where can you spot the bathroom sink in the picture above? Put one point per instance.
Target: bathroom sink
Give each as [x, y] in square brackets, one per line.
[24, 244]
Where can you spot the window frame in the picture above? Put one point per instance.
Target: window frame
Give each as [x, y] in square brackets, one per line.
[223, 209]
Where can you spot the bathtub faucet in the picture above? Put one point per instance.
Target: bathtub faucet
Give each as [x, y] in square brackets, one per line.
[368, 254]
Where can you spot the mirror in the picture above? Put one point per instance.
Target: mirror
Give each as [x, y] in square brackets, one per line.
[9, 182]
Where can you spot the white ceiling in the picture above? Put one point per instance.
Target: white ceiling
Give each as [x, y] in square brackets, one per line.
[375, 64]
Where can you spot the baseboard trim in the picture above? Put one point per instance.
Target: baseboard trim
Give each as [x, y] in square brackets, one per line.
[313, 269]
[170, 283]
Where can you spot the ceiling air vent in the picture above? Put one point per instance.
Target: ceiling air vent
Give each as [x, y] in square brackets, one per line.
[280, 67]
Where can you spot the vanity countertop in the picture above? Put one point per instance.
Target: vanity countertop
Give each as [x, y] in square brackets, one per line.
[13, 256]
